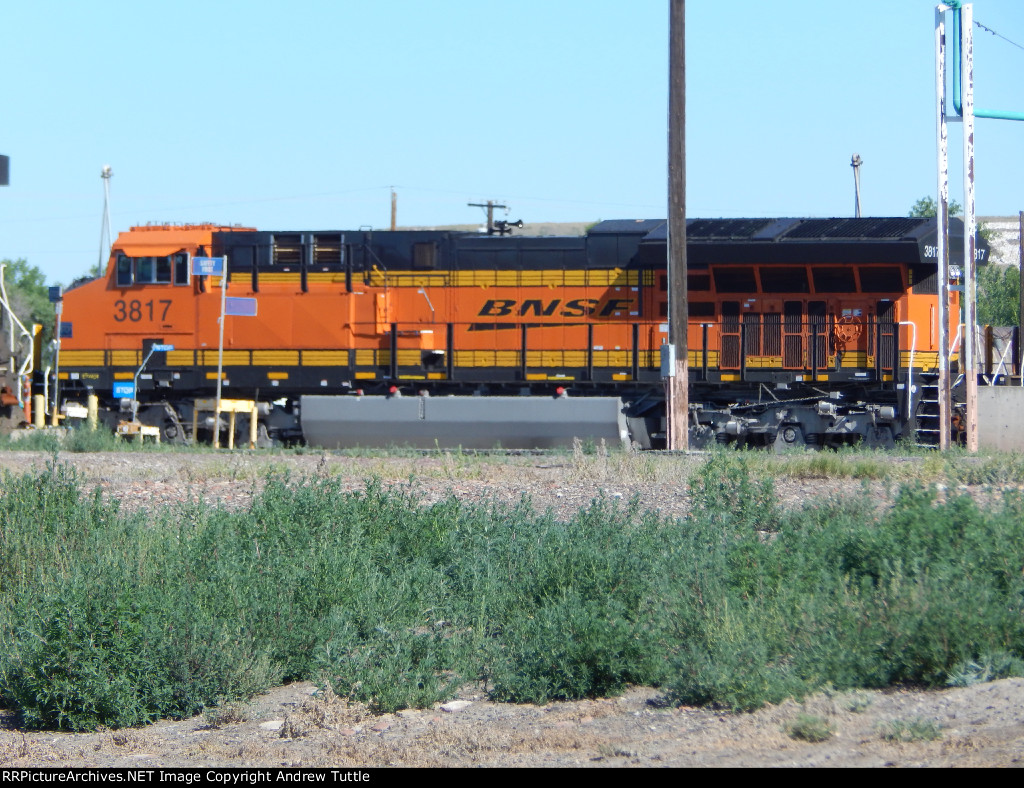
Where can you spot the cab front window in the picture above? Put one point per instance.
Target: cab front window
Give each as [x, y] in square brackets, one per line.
[152, 270]
[145, 270]
[125, 276]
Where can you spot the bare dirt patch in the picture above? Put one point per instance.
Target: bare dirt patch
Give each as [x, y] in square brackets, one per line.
[297, 725]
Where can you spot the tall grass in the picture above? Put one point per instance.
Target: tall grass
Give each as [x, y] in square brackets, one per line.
[845, 594]
[80, 440]
[115, 619]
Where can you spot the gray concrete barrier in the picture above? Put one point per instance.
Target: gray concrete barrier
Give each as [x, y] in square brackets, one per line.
[1001, 418]
[467, 422]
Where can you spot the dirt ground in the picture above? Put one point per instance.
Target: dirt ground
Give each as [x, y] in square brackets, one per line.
[297, 725]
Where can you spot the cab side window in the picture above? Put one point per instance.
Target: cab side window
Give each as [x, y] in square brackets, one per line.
[180, 268]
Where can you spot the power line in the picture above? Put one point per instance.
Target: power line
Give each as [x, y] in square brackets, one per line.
[997, 35]
[523, 198]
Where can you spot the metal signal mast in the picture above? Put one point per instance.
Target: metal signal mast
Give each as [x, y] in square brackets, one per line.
[964, 112]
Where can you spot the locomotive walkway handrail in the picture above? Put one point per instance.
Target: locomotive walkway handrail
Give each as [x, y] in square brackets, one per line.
[910, 361]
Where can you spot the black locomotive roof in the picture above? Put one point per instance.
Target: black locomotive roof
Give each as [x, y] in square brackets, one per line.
[633, 243]
[838, 240]
[627, 227]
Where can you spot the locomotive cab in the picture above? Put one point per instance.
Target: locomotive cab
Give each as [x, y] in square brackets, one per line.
[146, 297]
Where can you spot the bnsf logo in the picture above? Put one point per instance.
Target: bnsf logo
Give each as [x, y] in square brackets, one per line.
[577, 307]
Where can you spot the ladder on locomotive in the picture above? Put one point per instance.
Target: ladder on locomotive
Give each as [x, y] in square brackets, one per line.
[926, 416]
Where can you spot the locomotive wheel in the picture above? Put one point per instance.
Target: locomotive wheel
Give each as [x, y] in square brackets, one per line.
[164, 417]
[263, 439]
[880, 437]
[170, 432]
[789, 438]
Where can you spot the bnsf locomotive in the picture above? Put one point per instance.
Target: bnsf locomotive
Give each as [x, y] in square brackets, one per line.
[801, 332]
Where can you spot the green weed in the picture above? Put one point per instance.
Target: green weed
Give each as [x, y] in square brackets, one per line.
[228, 714]
[914, 729]
[856, 702]
[988, 667]
[116, 620]
[809, 728]
[48, 441]
[838, 466]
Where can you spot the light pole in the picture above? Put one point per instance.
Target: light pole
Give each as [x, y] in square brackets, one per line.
[855, 162]
[106, 238]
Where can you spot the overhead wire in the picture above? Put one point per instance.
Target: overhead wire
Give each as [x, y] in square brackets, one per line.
[997, 35]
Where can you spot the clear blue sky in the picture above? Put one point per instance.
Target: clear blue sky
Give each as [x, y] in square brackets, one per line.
[302, 114]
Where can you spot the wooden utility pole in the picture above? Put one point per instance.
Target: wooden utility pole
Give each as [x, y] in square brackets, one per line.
[490, 205]
[394, 210]
[677, 384]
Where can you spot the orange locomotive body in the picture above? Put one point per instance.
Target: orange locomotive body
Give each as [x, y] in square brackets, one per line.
[804, 331]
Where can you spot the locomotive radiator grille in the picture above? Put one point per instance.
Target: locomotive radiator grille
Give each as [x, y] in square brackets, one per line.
[208, 358]
[125, 358]
[275, 357]
[325, 358]
[544, 278]
[83, 358]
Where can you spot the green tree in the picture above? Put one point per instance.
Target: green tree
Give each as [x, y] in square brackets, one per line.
[998, 295]
[926, 207]
[998, 285]
[28, 295]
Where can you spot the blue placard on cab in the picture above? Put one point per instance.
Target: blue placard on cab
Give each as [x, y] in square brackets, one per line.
[207, 266]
